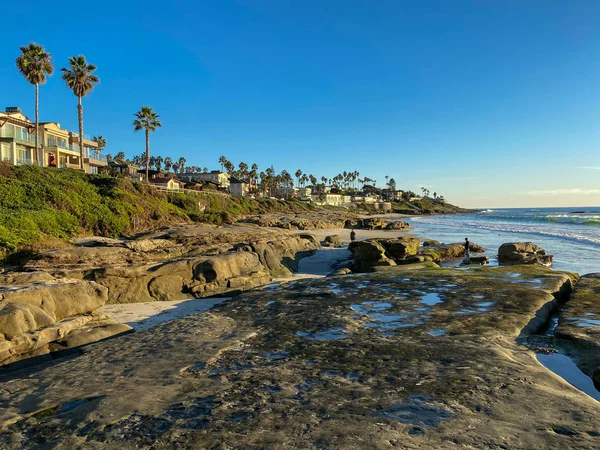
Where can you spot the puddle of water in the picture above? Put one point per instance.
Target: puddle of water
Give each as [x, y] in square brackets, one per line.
[276, 356]
[565, 368]
[585, 322]
[431, 299]
[379, 305]
[485, 306]
[513, 274]
[383, 317]
[331, 334]
[271, 302]
[421, 308]
[354, 376]
[438, 331]
[466, 311]
[415, 412]
[478, 296]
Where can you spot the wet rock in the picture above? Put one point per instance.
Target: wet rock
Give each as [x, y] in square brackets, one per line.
[369, 254]
[332, 241]
[401, 247]
[578, 327]
[523, 253]
[398, 225]
[431, 243]
[444, 252]
[342, 271]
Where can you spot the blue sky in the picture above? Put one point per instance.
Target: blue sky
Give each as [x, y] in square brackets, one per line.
[488, 102]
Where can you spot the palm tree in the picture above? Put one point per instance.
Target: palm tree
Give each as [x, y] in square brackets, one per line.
[298, 175]
[100, 141]
[81, 80]
[158, 161]
[35, 63]
[223, 161]
[147, 120]
[205, 170]
[181, 163]
[168, 163]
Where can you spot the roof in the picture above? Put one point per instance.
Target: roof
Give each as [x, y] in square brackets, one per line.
[163, 180]
[234, 180]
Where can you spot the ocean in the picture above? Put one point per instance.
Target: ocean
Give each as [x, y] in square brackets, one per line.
[572, 235]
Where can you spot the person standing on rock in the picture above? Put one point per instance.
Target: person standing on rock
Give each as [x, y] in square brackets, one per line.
[467, 258]
[352, 235]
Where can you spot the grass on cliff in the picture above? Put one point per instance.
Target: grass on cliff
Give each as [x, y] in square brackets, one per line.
[39, 206]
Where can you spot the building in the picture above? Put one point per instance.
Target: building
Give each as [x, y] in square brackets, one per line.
[56, 147]
[305, 192]
[238, 188]
[126, 170]
[17, 137]
[216, 176]
[170, 184]
[328, 199]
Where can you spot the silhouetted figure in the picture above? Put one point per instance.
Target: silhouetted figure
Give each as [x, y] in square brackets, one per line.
[467, 251]
[51, 160]
[352, 236]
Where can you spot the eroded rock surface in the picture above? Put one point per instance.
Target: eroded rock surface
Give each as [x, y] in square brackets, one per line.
[578, 327]
[422, 358]
[177, 262]
[523, 253]
[39, 314]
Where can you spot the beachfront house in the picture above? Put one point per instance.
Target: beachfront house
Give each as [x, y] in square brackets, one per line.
[328, 199]
[168, 183]
[125, 170]
[215, 176]
[17, 138]
[238, 187]
[56, 147]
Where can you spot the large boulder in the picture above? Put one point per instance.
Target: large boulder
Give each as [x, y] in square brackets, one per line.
[398, 225]
[443, 252]
[332, 241]
[369, 254]
[401, 247]
[523, 253]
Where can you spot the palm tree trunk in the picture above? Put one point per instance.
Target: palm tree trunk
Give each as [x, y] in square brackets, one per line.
[37, 124]
[80, 117]
[147, 153]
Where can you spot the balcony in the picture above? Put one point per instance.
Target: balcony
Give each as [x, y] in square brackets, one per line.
[20, 136]
[24, 161]
[94, 154]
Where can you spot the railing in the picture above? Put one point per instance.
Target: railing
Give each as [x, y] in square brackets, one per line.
[186, 191]
[94, 154]
[20, 135]
[24, 161]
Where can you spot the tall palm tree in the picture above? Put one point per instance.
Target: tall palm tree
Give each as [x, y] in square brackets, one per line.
[34, 63]
[81, 80]
[100, 141]
[298, 175]
[147, 120]
[181, 163]
[168, 163]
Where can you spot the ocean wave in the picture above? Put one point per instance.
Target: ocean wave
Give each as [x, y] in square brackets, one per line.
[577, 235]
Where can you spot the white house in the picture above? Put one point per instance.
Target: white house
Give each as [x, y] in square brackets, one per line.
[239, 188]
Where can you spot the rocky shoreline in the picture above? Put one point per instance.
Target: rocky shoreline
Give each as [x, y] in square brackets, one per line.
[391, 349]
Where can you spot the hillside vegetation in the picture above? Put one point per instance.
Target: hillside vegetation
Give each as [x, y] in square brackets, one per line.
[40, 207]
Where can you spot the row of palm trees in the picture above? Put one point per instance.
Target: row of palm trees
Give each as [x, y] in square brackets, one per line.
[36, 65]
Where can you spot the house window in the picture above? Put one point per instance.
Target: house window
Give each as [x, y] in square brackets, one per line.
[5, 152]
[93, 169]
[23, 155]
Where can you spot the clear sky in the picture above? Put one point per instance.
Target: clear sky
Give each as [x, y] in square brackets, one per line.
[488, 102]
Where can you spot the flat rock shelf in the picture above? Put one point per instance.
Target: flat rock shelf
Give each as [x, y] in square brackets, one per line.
[406, 358]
